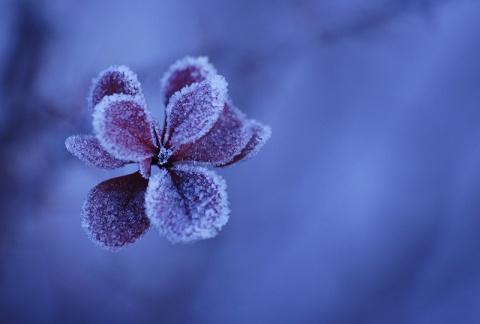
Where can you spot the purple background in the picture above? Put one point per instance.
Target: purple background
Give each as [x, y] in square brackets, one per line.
[363, 207]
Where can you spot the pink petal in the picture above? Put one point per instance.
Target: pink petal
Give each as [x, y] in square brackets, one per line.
[88, 149]
[125, 128]
[187, 203]
[183, 73]
[113, 214]
[259, 136]
[193, 111]
[222, 143]
[114, 80]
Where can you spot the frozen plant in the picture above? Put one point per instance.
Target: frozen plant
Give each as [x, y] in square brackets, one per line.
[184, 200]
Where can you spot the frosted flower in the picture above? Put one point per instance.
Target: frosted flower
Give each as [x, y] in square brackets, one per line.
[184, 200]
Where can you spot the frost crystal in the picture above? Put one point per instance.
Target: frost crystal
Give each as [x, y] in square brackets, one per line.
[114, 80]
[187, 203]
[163, 156]
[88, 149]
[228, 136]
[183, 73]
[124, 127]
[193, 111]
[113, 214]
[259, 135]
[183, 201]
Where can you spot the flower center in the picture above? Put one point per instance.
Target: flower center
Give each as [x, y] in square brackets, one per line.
[163, 156]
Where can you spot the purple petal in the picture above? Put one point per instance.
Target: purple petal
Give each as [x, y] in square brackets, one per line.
[183, 73]
[88, 150]
[193, 111]
[187, 203]
[222, 143]
[113, 214]
[114, 80]
[145, 168]
[259, 136]
[125, 128]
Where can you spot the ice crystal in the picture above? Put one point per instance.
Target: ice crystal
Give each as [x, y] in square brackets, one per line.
[114, 211]
[187, 203]
[193, 110]
[114, 80]
[124, 128]
[184, 201]
[183, 73]
[88, 149]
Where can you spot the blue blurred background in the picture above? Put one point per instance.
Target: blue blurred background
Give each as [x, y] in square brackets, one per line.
[364, 207]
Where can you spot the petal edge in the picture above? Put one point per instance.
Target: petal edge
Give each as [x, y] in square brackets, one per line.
[260, 134]
[186, 203]
[193, 111]
[222, 143]
[125, 128]
[183, 73]
[113, 214]
[114, 80]
[88, 149]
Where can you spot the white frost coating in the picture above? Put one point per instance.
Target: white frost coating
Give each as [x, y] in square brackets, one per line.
[260, 135]
[164, 155]
[145, 168]
[199, 69]
[193, 111]
[125, 128]
[131, 85]
[113, 214]
[187, 203]
[227, 138]
[88, 149]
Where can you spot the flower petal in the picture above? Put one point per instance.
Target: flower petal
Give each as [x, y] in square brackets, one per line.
[113, 214]
[183, 73]
[222, 143]
[187, 203]
[125, 128]
[145, 168]
[88, 149]
[114, 80]
[193, 111]
[259, 136]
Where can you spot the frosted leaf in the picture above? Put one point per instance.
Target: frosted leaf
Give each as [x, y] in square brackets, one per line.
[88, 149]
[187, 203]
[259, 136]
[184, 201]
[114, 80]
[193, 111]
[183, 73]
[222, 143]
[113, 214]
[145, 167]
[124, 128]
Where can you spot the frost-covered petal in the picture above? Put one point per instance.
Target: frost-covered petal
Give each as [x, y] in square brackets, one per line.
[145, 167]
[187, 203]
[114, 80]
[222, 143]
[113, 214]
[88, 149]
[183, 73]
[193, 111]
[259, 136]
[125, 128]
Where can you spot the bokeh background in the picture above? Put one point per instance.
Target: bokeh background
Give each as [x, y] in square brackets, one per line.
[364, 207]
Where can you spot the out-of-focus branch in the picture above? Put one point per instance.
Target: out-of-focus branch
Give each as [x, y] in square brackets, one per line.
[23, 114]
